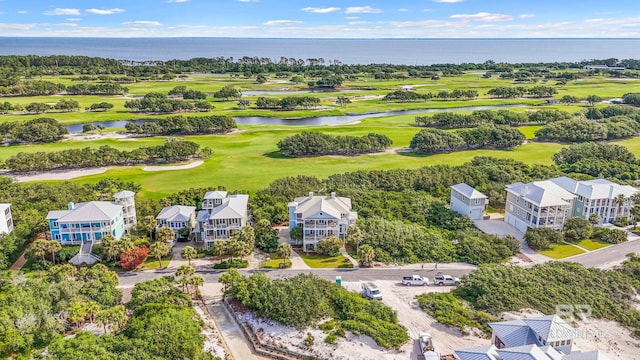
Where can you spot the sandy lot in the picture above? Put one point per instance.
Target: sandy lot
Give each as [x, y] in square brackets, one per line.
[60, 175]
[401, 299]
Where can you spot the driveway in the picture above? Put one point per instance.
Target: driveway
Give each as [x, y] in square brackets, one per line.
[608, 257]
[501, 228]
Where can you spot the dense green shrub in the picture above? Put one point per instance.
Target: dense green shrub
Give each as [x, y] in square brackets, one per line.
[313, 143]
[542, 238]
[611, 236]
[576, 229]
[232, 264]
[449, 310]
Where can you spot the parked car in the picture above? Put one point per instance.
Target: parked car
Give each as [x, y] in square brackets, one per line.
[415, 280]
[371, 291]
[448, 280]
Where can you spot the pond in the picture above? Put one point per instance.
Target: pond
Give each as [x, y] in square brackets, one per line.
[310, 121]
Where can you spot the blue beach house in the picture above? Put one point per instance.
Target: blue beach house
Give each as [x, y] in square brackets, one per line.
[86, 222]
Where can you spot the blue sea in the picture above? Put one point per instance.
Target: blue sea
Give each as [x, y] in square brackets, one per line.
[347, 51]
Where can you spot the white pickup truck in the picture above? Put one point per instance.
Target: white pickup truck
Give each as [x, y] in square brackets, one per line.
[414, 280]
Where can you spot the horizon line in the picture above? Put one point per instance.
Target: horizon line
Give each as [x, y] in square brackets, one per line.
[311, 38]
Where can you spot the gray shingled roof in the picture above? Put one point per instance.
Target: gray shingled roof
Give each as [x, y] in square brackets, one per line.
[176, 213]
[468, 191]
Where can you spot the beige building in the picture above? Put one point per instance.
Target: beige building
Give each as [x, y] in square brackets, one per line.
[537, 204]
[220, 216]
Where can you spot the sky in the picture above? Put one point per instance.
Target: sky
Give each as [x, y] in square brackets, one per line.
[322, 18]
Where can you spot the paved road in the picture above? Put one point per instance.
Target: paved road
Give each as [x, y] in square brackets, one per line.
[212, 276]
[607, 257]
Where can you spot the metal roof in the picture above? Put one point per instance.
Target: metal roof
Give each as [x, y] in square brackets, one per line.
[331, 205]
[232, 207]
[176, 213]
[542, 193]
[468, 191]
[88, 211]
[595, 189]
[123, 194]
[218, 194]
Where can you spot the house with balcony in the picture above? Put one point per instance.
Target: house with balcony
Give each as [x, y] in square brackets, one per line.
[126, 199]
[537, 204]
[320, 217]
[467, 201]
[609, 200]
[220, 216]
[540, 338]
[177, 217]
[86, 222]
[6, 219]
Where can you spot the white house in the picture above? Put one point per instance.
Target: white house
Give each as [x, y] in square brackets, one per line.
[220, 216]
[177, 217]
[537, 204]
[609, 200]
[6, 219]
[320, 217]
[468, 201]
[126, 198]
[541, 338]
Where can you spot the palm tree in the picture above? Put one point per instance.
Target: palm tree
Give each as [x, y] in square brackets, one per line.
[366, 255]
[184, 272]
[618, 201]
[165, 234]
[354, 234]
[284, 252]
[234, 248]
[92, 308]
[189, 253]
[635, 212]
[118, 316]
[196, 281]
[147, 224]
[38, 249]
[77, 313]
[102, 318]
[111, 246]
[159, 249]
[52, 248]
[219, 249]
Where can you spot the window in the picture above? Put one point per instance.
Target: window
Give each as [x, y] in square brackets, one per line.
[478, 201]
[56, 237]
[55, 224]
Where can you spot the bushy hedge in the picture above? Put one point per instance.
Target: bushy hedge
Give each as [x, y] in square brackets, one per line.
[582, 130]
[431, 141]
[313, 143]
[40, 130]
[451, 120]
[304, 300]
[232, 264]
[449, 310]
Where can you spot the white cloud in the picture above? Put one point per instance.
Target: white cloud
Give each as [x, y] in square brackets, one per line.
[142, 23]
[426, 24]
[482, 16]
[403, 9]
[282, 22]
[352, 17]
[526, 16]
[104, 11]
[321, 10]
[16, 26]
[362, 10]
[359, 22]
[448, 1]
[177, 1]
[66, 24]
[22, 12]
[73, 19]
[60, 11]
[427, 10]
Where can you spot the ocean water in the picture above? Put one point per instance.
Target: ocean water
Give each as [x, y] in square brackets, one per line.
[348, 51]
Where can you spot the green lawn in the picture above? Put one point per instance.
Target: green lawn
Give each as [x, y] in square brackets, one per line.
[318, 261]
[152, 263]
[274, 263]
[562, 251]
[592, 244]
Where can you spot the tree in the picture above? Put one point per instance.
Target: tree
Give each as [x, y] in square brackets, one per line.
[111, 246]
[184, 273]
[354, 235]
[88, 128]
[188, 253]
[228, 92]
[77, 313]
[131, 259]
[330, 246]
[296, 234]
[235, 248]
[52, 248]
[159, 249]
[266, 236]
[366, 255]
[92, 309]
[342, 100]
[219, 249]
[261, 79]
[284, 252]
[147, 224]
[165, 234]
[243, 104]
[569, 99]
[38, 249]
[576, 229]
[595, 219]
[542, 238]
[592, 100]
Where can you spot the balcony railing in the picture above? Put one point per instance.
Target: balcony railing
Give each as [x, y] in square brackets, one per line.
[222, 227]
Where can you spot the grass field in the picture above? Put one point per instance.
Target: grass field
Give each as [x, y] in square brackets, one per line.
[317, 261]
[248, 160]
[561, 251]
[592, 244]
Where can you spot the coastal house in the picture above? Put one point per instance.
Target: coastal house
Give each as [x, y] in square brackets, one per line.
[220, 216]
[126, 198]
[86, 222]
[177, 217]
[537, 204]
[609, 200]
[6, 219]
[320, 217]
[540, 338]
[467, 201]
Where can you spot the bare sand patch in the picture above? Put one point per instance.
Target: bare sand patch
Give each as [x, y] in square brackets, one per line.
[173, 167]
[59, 174]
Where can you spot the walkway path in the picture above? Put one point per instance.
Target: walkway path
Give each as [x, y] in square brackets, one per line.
[296, 261]
[501, 228]
[19, 262]
[231, 333]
